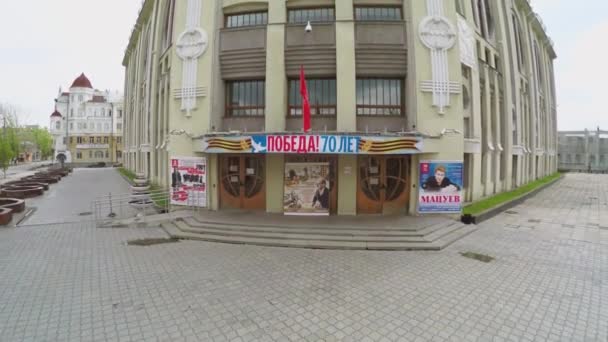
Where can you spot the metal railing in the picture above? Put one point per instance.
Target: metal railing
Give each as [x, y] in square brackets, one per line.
[117, 209]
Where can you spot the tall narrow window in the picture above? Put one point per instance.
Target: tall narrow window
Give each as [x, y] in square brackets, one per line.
[378, 96]
[460, 7]
[518, 43]
[304, 15]
[539, 68]
[167, 37]
[245, 98]
[246, 19]
[377, 13]
[321, 95]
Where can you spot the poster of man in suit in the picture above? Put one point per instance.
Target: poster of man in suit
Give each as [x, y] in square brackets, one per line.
[440, 188]
[189, 181]
[306, 189]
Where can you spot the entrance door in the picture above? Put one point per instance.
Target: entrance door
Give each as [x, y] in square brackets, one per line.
[242, 182]
[383, 185]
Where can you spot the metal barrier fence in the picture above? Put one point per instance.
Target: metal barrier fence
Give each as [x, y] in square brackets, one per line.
[111, 209]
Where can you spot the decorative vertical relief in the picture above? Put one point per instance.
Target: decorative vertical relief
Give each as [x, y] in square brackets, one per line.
[191, 44]
[468, 55]
[439, 35]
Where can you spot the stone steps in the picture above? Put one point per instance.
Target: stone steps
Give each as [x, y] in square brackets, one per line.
[429, 238]
[323, 230]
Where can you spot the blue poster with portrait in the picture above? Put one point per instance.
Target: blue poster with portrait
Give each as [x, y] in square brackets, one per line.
[440, 187]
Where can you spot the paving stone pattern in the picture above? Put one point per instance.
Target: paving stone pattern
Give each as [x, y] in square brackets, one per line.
[549, 282]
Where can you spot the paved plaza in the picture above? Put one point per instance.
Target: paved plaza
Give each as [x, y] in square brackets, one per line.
[70, 200]
[548, 282]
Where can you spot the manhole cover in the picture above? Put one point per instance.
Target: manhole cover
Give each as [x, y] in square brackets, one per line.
[477, 256]
[150, 242]
[86, 213]
[511, 212]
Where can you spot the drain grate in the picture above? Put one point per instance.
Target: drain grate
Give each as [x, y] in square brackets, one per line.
[534, 221]
[477, 256]
[511, 212]
[150, 242]
[86, 213]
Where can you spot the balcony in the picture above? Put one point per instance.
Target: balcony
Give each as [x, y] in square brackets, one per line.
[315, 50]
[243, 52]
[381, 48]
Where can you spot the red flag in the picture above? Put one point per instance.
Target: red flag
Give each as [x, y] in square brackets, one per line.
[305, 103]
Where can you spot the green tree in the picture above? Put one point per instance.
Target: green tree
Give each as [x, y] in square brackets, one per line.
[43, 139]
[6, 154]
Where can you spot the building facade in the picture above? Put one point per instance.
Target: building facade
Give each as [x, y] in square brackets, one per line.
[583, 151]
[391, 83]
[87, 125]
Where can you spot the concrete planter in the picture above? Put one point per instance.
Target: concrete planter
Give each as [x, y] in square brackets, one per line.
[15, 204]
[22, 192]
[6, 216]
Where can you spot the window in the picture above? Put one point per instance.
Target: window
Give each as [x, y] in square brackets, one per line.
[486, 22]
[58, 125]
[377, 13]
[106, 127]
[321, 95]
[118, 154]
[304, 15]
[245, 98]
[71, 140]
[78, 155]
[65, 140]
[109, 112]
[539, 68]
[167, 37]
[99, 140]
[106, 140]
[119, 126]
[90, 154]
[518, 43]
[246, 19]
[79, 140]
[120, 113]
[474, 4]
[376, 96]
[460, 7]
[91, 140]
[80, 98]
[71, 126]
[72, 112]
[107, 154]
[118, 140]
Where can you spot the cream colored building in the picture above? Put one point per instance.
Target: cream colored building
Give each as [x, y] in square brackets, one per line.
[87, 125]
[403, 80]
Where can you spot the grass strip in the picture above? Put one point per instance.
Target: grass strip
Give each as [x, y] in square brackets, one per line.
[491, 202]
[129, 174]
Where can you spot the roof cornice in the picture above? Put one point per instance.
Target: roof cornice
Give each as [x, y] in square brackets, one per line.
[144, 15]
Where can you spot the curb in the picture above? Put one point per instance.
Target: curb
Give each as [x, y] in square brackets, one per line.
[489, 213]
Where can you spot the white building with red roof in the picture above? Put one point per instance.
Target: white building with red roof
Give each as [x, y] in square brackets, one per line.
[87, 124]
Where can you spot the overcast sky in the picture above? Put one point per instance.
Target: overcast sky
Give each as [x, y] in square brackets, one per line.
[45, 44]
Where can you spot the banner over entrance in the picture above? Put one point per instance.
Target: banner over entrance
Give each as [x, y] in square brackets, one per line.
[313, 144]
